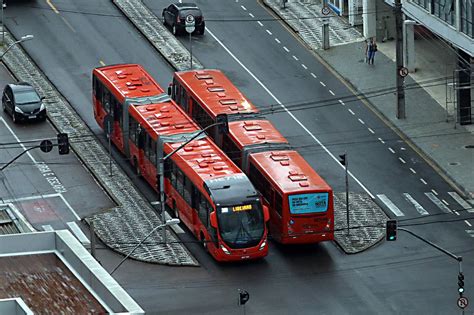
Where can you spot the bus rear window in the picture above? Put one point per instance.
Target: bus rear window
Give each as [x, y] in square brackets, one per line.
[308, 203]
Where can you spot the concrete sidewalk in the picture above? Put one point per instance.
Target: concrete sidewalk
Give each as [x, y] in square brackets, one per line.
[430, 124]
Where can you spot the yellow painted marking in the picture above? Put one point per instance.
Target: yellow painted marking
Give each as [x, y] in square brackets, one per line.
[68, 25]
[52, 6]
[102, 63]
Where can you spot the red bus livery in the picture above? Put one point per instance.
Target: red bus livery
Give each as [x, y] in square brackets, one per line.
[207, 191]
[299, 200]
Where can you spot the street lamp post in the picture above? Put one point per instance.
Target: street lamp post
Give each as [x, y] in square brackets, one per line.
[22, 39]
[169, 222]
[3, 25]
[224, 128]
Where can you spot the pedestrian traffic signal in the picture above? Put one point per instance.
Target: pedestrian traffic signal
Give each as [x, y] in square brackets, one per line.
[391, 230]
[63, 143]
[342, 159]
[243, 297]
[461, 283]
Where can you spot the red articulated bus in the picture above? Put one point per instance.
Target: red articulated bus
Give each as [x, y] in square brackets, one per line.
[206, 190]
[300, 201]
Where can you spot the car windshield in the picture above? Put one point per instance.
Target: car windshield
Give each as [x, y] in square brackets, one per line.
[241, 226]
[193, 12]
[26, 97]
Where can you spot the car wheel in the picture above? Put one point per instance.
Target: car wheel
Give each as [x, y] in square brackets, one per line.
[174, 30]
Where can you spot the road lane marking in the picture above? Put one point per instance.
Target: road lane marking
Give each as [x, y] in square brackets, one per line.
[76, 230]
[243, 8]
[335, 159]
[434, 192]
[371, 131]
[260, 23]
[412, 170]
[322, 83]
[342, 103]
[304, 66]
[390, 205]
[415, 203]
[391, 150]
[269, 33]
[52, 6]
[102, 63]
[423, 181]
[296, 58]
[381, 140]
[277, 40]
[313, 75]
[286, 49]
[330, 91]
[30, 198]
[251, 15]
[445, 202]
[462, 202]
[350, 111]
[68, 25]
[438, 202]
[361, 121]
[467, 222]
[69, 207]
[470, 232]
[402, 160]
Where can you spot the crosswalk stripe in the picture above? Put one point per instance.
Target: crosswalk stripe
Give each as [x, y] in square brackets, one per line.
[418, 207]
[438, 202]
[462, 202]
[47, 228]
[470, 232]
[391, 206]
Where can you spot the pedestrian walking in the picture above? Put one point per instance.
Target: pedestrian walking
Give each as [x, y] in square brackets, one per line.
[370, 49]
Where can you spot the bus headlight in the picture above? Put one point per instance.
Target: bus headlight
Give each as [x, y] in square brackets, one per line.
[264, 243]
[225, 250]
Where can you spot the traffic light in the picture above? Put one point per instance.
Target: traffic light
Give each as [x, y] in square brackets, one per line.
[391, 230]
[223, 125]
[63, 143]
[342, 159]
[243, 297]
[461, 283]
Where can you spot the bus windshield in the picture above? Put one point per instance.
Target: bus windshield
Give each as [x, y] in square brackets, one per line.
[308, 203]
[241, 226]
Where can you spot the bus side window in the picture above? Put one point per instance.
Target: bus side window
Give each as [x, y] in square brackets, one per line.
[106, 100]
[132, 129]
[173, 174]
[278, 205]
[260, 183]
[180, 182]
[231, 149]
[195, 198]
[188, 186]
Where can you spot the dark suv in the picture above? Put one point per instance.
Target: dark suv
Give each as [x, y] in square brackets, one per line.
[175, 16]
[22, 102]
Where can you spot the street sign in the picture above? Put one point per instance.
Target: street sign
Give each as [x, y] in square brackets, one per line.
[190, 23]
[325, 10]
[463, 302]
[403, 72]
[46, 146]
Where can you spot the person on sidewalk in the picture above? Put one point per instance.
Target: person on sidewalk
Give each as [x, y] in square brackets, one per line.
[370, 49]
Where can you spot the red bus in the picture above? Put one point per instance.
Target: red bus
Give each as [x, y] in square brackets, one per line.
[204, 188]
[301, 203]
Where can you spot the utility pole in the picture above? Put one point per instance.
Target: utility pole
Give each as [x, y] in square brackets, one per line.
[344, 161]
[399, 60]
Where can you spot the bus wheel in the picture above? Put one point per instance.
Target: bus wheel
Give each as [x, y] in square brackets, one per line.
[203, 242]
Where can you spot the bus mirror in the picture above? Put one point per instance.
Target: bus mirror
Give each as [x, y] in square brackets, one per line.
[213, 219]
[169, 89]
[266, 213]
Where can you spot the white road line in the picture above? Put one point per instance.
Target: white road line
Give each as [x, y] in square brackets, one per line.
[47, 228]
[243, 8]
[418, 207]
[286, 49]
[445, 202]
[340, 101]
[335, 159]
[361, 121]
[330, 91]
[313, 75]
[31, 198]
[69, 207]
[269, 33]
[304, 66]
[381, 140]
[412, 170]
[438, 203]
[175, 227]
[402, 160]
[350, 111]
[467, 222]
[277, 40]
[470, 232]
[391, 150]
[434, 192]
[296, 58]
[18, 140]
[251, 15]
[322, 83]
[76, 230]
[391, 206]
[259, 23]
[423, 181]
[371, 131]
[462, 202]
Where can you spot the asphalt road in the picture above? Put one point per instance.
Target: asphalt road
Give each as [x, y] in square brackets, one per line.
[400, 277]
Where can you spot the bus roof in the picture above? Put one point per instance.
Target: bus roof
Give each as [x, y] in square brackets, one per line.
[200, 157]
[213, 88]
[128, 81]
[258, 131]
[289, 171]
